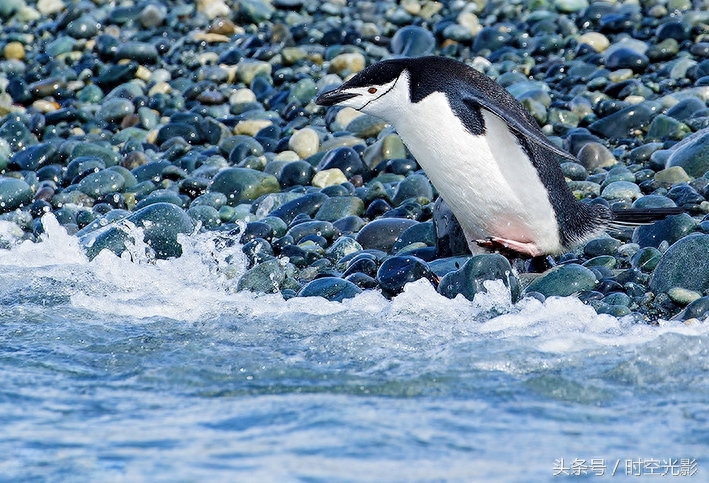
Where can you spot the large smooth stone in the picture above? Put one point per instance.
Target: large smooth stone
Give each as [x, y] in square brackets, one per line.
[381, 234]
[622, 123]
[692, 154]
[308, 204]
[330, 288]
[413, 41]
[161, 223]
[564, 280]
[339, 207]
[685, 265]
[470, 278]
[265, 277]
[14, 193]
[670, 229]
[244, 184]
[396, 272]
[101, 183]
[32, 157]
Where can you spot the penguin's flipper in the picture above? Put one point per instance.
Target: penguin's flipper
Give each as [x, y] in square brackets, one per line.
[517, 124]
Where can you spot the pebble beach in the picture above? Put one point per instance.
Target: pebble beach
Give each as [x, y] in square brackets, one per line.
[174, 117]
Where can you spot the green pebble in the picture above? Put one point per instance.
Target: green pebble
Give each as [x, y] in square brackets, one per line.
[564, 280]
[338, 207]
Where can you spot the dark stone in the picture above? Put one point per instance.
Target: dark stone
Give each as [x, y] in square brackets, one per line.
[307, 204]
[564, 280]
[413, 41]
[178, 129]
[330, 288]
[670, 229]
[381, 234]
[450, 239]
[160, 223]
[685, 264]
[344, 158]
[14, 193]
[296, 173]
[470, 278]
[33, 157]
[397, 271]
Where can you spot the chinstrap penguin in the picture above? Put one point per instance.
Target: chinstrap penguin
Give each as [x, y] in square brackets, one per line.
[484, 153]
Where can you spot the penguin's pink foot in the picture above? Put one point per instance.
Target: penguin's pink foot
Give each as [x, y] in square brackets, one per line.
[496, 243]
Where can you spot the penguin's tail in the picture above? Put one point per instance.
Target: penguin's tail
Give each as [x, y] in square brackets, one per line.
[641, 216]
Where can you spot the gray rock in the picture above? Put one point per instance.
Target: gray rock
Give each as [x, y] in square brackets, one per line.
[670, 229]
[381, 234]
[470, 278]
[330, 288]
[161, 223]
[243, 184]
[14, 193]
[692, 154]
[339, 207]
[685, 265]
[564, 280]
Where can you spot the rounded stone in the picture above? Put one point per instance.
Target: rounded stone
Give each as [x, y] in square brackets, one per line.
[381, 234]
[595, 155]
[161, 224]
[601, 246]
[296, 173]
[563, 281]
[328, 177]
[395, 272]
[621, 190]
[470, 279]
[624, 122]
[14, 193]
[33, 157]
[626, 58]
[345, 159]
[207, 215]
[413, 41]
[243, 184]
[14, 51]
[265, 277]
[101, 183]
[307, 205]
[670, 229]
[684, 265]
[115, 109]
[330, 288]
[305, 142]
[698, 309]
[692, 154]
[414, 186]
[142, 52]
[339, 207]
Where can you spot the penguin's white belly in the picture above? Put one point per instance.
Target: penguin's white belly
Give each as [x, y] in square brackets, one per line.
[488, 181]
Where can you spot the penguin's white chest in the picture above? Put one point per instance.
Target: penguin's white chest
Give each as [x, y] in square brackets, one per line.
[487, 180]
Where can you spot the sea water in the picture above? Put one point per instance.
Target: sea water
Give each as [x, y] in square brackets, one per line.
[129, 369]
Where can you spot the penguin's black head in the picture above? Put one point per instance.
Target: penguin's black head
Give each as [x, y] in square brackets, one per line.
[366, 89]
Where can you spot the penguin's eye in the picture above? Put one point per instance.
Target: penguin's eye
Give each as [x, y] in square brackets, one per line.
[372, 90]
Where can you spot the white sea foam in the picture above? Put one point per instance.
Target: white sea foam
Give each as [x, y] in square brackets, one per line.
[201, 284]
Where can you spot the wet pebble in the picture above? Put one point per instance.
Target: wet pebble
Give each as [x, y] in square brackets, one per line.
[685, 265]
[381, 234]
[330, 288]
[470, 279]
[564, 280]
[396, 272]
[14, 193]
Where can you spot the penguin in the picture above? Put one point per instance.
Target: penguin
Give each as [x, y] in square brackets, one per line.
[484, 153]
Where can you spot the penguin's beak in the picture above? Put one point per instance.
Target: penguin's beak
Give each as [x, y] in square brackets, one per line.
[334, 97]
